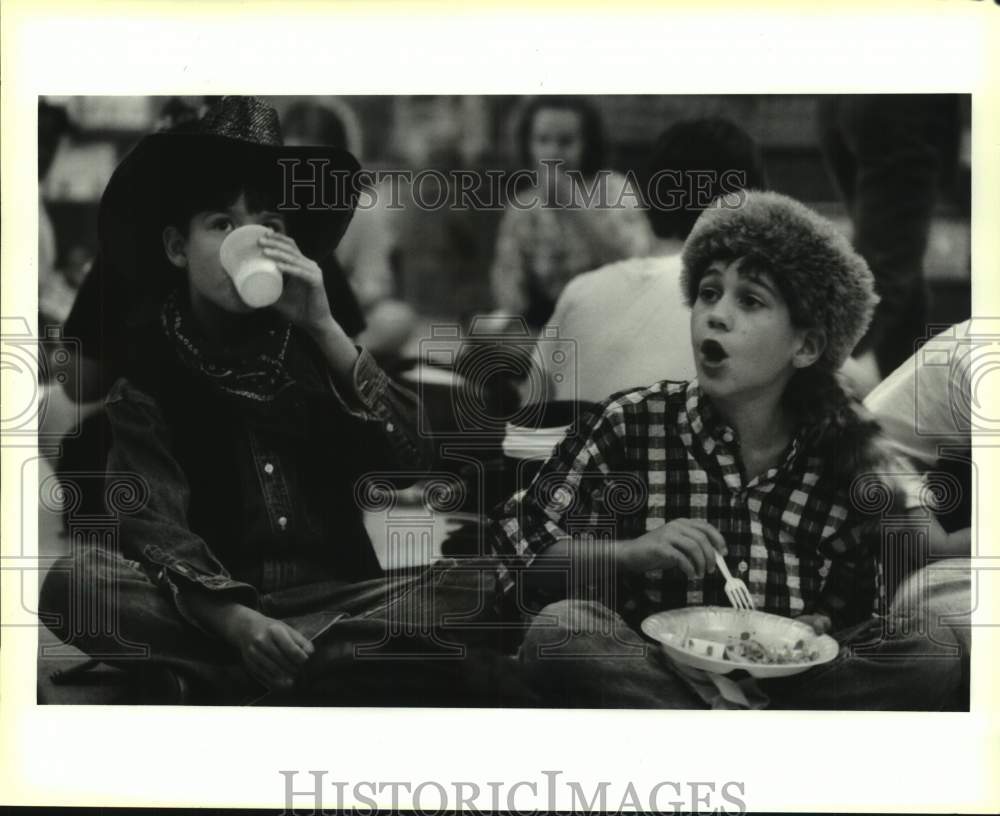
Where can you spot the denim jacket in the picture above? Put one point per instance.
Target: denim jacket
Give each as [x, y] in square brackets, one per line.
[246, 498]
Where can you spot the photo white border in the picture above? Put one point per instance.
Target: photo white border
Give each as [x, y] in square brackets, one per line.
[232, 756]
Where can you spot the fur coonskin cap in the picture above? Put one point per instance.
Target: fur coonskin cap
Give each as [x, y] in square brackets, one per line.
[808, 256]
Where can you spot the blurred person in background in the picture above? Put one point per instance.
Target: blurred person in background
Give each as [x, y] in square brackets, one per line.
[625, 324]
[562, 231]
[889, 155]
[925, 408]
[56, 287]
[368, 250]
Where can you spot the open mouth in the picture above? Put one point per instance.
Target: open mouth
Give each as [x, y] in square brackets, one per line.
[713, 352]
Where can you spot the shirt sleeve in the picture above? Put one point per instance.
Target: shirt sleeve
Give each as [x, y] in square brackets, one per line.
[561, 344]
[389, 413]
[157, 532]
[535, 518]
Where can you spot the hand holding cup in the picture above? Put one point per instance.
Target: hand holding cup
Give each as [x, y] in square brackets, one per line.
[256, 277]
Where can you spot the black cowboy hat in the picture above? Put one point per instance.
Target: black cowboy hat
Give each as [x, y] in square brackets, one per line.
[239, 136]
[244, 133]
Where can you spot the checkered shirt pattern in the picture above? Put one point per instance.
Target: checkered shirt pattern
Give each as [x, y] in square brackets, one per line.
[650, 455]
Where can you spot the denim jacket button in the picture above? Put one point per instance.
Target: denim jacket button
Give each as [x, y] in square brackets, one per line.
[269, 468]
[390, 427]
[282, 522]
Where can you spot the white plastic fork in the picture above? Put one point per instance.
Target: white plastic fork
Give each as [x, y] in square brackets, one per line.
[737, 592]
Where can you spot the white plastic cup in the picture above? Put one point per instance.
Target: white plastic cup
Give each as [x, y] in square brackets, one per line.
[255, 276]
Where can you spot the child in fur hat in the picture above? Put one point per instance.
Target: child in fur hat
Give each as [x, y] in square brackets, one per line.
[755, 460]
[243, 433]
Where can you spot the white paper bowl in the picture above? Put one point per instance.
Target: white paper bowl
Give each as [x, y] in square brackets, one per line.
[722, 624]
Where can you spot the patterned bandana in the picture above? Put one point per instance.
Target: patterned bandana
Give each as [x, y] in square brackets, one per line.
[256, 373]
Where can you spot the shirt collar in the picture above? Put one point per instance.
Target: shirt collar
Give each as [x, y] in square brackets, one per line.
[708, 427]
[702, 416]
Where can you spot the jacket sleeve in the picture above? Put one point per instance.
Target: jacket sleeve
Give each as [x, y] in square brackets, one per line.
[397, 437]
[157, 533]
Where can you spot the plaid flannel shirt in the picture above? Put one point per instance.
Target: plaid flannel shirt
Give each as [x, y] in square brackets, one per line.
[650, 455]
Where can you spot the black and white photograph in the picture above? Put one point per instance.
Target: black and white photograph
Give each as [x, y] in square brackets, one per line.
[613, 407]
[485, 401]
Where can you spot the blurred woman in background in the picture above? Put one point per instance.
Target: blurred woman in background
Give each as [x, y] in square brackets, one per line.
[564, 224]
[367, 251]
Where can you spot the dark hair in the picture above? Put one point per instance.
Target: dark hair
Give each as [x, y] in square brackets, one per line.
[214, 183]
[591, 129]
[718, 148]
[321, 123]
[717, 249]
[838, 428]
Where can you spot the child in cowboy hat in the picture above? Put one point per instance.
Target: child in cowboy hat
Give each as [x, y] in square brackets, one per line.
[756, 460]
[243, 433]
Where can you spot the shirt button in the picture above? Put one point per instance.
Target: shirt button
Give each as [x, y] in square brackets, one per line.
[282, 522]
[390, 427]
[727, 436]
[824, 571]
[743, 566]
[269, 468]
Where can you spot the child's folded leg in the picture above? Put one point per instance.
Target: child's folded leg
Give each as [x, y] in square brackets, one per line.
[582, 654]
[917, 659]
[111, 609]
[426, 639]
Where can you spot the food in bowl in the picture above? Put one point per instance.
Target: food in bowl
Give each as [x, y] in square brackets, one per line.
[748, 650]
[723, 639]
[744, 648]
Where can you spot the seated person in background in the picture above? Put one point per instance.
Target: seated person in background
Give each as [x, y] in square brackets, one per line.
[247, 431]
[625, 324]
[924, 408]
[366, 251]
[558, 233]
[754, 460]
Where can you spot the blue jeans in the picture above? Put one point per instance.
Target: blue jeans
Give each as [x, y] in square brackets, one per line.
[582, 654]
[426, 639]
